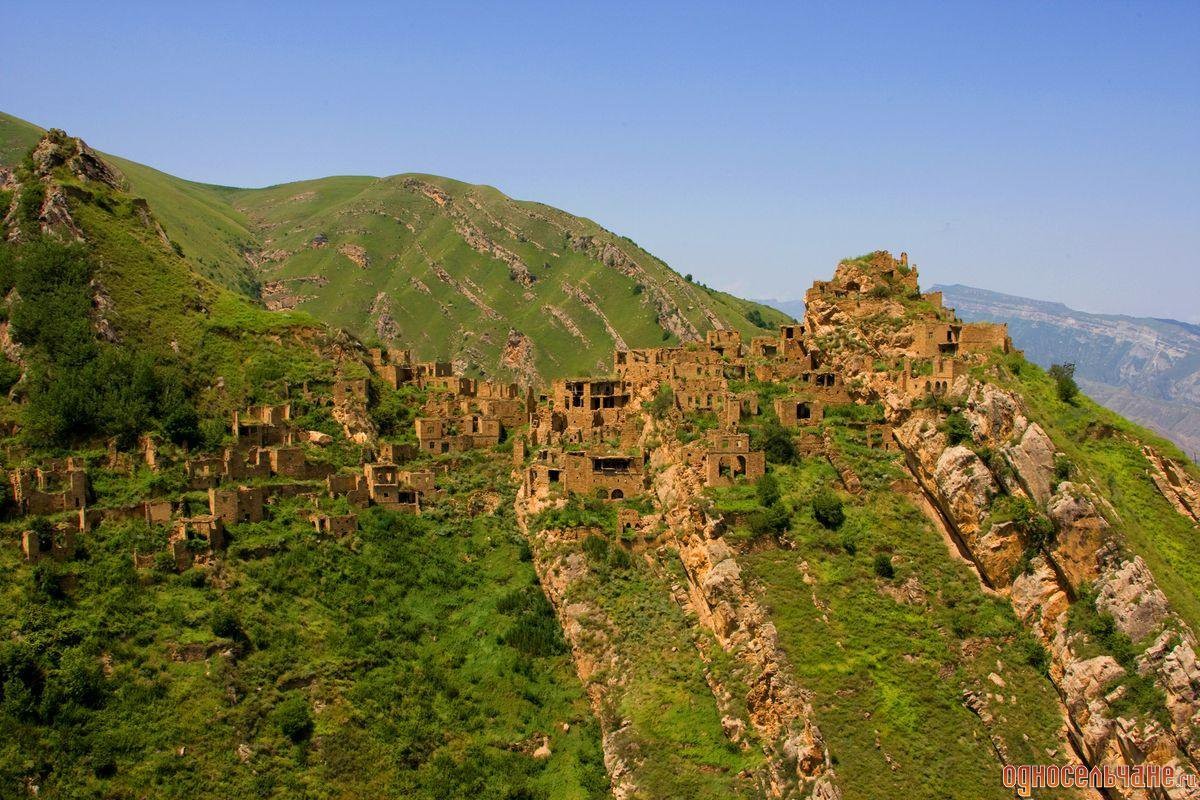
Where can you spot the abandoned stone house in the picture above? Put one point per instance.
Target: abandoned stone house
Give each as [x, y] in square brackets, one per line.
[57, 544]
[881, 437]
[725, 342]
[436, 435]
[386, 488]
[628, 520]
[242, 504]
[397, 452]
[194, 539]
[736, 406]
[610, 476]
[150, 512]
[263, 426]
[724, 457]
[351, 391]
[336, 525]
[934, 376]
[934, 339]
[351, 486]
[393, 367]
[799, 410]
[49, 489]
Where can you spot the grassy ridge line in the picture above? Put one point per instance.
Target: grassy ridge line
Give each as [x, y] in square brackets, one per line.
[221, 230]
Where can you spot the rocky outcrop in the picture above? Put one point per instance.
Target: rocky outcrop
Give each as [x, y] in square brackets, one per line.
[518, 355]
[284, 295]
[670, 317]
[589, 633]
[57, 149]
[587, 302]
[1174, 483]
[356, 253]
[472, 234]
[1081, 533]
[960, 484]
[780, 710]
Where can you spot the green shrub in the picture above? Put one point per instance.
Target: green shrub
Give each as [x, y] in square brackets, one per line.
[1063, 468]
[755, 318]
[1032, 652]
[770, 521]
[1063, 376]
[663, 402]
[620, 559]
[79, 677]
[10, 373]
[850, 543]
[767, 490]
[294, 719]
[595, 548]
[883, 567]
[536, 631]
[225, 623]
[958, 430]
[827, 509]
[776, 442]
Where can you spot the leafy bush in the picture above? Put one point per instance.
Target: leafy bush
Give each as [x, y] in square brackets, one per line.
[958, 430]
[10, 373]
[1063, 376]
[1063, 468]
[776, 442]
[1032, 652]
[767, 490]
[827, 509]
[662, 403]
[225, 623]
[79, 678]
[536, 631]
[595, 548]
[770, 521]
[755, 317]
[883, 567]
[294, 719]
[78, 385]
[620, 559]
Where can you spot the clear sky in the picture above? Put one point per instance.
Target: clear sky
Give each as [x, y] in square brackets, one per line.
[1044, 149]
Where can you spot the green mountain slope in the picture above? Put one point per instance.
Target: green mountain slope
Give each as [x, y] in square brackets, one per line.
[452, 270]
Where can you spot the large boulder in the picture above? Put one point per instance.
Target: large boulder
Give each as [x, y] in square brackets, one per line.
[1081, 533]
[1032, 459]
[966, 487]
[1127, 591]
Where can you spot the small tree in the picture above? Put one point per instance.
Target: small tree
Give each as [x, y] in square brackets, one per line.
[662, 403]
[776, 442]
[1064, 381]
[767, 490]
[827, 509]
[883, 567]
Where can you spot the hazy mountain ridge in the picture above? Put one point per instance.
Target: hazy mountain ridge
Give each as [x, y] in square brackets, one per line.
[1144, 367]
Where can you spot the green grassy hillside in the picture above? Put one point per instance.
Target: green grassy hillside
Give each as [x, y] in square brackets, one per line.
[453, 270]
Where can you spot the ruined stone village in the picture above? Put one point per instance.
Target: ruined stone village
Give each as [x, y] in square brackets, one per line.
[869, 335]
[580, 438]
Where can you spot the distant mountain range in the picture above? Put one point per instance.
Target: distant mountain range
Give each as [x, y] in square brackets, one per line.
[1145, 368]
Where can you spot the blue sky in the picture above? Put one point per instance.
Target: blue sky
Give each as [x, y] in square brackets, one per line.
[1045, 149]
